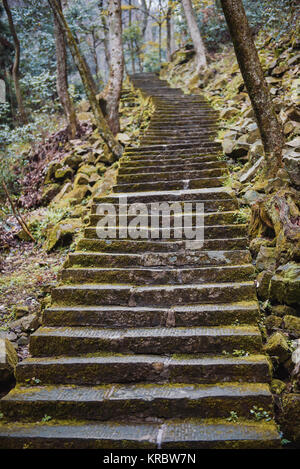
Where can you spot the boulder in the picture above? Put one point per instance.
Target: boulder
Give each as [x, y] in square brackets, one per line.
[273, 322]
[283, 310]
[277, 386]
[277, 346]
[266, 259]
[292, 325]
[62, 234]
[81, 179]
[285, 284]
[262, 284]
[49, 192]
[251, 172]
[251, 197]
[292, 164]
[64, 173]
[52, 167]
[8, 361]
[290, 419]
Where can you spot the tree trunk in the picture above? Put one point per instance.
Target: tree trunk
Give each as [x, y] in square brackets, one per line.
[131, 41]
[105, 34]
[195, 35]
[169, 37]
[247, 56]
[62, 77]
[101, 123]
[113, 91]
[15, 70]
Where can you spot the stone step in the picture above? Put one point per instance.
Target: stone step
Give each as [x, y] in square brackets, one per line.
[132, 368]
[193, 434]
[177, 146]
[135, 246]
[226, 205]
[158, 168]
[107, 402]
[245, 313]
[157, 275]
[171, 185]
[185, 215]
[195, 195]
[52, 341]
[171, 176]
[210, 232]
[154, 295]
[201, 258]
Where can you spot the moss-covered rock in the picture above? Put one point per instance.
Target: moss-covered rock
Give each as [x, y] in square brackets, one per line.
[292, 325]
[62, 234]
[49, 192]
[63, 173]
[283, 310]
[277, 346]
[285, 284]
[273, 322]
[8, 361]
[266, 259]
[290, 420]
[277, 386]
[263, 283]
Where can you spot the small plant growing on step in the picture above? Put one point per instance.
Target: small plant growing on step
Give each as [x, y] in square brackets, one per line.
[1, 415]
[240, 353]
[258, 413]
[46, 418]
[233, 417]
[33, 380]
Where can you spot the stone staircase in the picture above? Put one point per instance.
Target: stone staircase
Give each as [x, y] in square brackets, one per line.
[148, 344]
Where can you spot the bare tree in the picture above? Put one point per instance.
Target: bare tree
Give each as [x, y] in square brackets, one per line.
[62, 76]
[247, 56]
[16, 65]
[88, 84]
[195, 35]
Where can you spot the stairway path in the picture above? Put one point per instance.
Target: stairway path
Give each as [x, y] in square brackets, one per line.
[151, 343]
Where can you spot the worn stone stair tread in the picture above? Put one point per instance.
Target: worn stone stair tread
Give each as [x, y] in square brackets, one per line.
[169, 246]
[228, 231]
[124, 316]
[183, 194]
[211, 258]
[167, 295]
[169, 434]
[126, 401]
[157, 275]
[49, 341]
[149, 392]
[176, 184]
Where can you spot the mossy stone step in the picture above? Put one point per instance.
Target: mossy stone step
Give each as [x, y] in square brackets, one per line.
[127, 401]
[156, 275]
[162, 234]
[171, 185]
[182, 434]
[135, 246]
[126, 169]
[171, 176]
[155, 295]
[47, 341]
[191, 217]
[245, 313]
[201, 258]
[195, 195]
